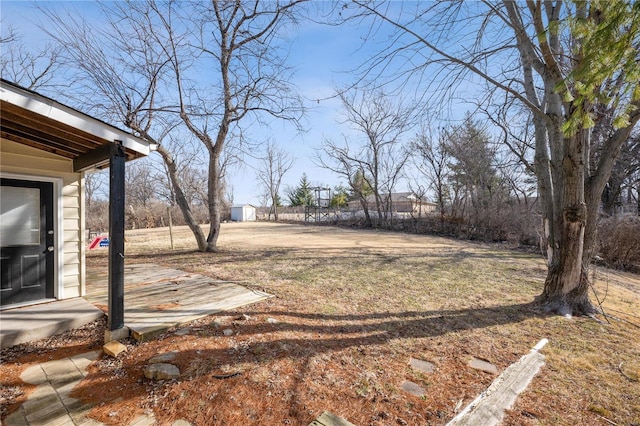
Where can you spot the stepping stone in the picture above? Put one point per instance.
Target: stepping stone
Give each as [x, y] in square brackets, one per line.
[413, 388]
[420, 365]
[482, 365]
[165, 357]
[34, 375]
[227, 332]
[220, 321]
[161, 372]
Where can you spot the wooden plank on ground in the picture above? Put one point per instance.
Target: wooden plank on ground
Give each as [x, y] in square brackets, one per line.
[158, 298]
[147, 323]
[489, 407]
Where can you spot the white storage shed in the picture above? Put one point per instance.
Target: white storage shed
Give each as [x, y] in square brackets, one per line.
[243, 213]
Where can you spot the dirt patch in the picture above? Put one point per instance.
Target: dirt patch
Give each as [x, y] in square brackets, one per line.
[352, 309]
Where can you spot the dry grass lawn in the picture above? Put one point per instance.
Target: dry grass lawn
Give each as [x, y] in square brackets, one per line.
[352, 308]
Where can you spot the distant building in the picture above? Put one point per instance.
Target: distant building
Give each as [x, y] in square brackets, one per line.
[243, 213]
[398, 202]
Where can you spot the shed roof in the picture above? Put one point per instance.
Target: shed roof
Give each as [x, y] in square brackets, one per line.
[35, 120]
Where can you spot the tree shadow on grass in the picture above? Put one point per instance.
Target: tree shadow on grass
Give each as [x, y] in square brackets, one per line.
[381, 327]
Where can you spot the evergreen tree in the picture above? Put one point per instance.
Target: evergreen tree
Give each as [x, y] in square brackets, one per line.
[360, 186]
[340, 197]
[473, 165]
[302, 195]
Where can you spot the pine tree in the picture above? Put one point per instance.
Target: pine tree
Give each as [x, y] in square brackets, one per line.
[340, 197]
[302, 195]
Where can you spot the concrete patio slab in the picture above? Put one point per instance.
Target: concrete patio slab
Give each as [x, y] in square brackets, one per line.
[21, 325]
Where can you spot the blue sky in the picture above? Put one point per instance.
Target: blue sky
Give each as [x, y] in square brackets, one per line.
[322, 56]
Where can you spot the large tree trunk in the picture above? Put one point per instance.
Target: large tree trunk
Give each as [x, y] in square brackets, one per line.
[214, 201]
[382, 217]
[555, 296]
[274, 206]
[365, 208]
[181, 200]
[566, 288]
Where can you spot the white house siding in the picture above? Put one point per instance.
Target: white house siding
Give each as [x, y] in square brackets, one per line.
[17, 159]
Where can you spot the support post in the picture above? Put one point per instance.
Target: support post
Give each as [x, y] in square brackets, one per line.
[116, 236]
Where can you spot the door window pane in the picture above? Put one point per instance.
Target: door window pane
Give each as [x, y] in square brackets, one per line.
[19, 216]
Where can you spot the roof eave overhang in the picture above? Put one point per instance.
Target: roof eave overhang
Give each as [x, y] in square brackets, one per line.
[40, 106]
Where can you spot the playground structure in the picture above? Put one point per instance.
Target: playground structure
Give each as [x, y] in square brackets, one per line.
[319, 209]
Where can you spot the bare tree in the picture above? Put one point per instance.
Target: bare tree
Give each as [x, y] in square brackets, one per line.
[32, 69]
[378, 158]
[92, 185]
[96, 206]
[8, 34]
[140, 183]
[571, 65]
[272, 167]
[236, 43]
[419, 196]
[121, 77]
[623, 177]
[190, 172]
[212, 66]
[193, 181]
[517, 138]
[339, 160]
[431, 159]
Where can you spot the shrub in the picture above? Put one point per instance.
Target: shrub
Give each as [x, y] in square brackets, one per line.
[619, 242]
